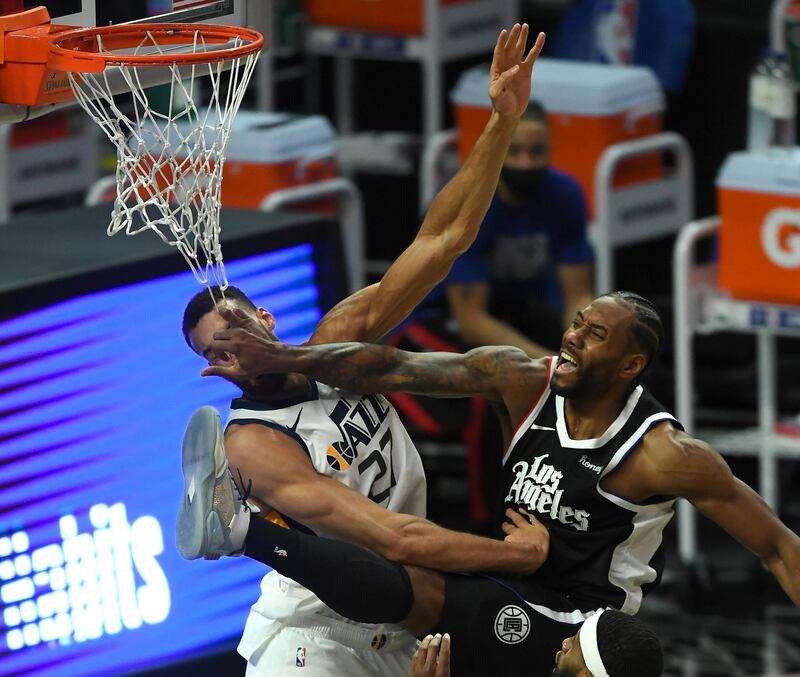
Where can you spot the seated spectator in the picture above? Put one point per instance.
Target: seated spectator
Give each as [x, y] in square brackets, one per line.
[529, 270]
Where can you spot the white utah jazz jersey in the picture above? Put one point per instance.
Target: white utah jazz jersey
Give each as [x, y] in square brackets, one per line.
[357, 440]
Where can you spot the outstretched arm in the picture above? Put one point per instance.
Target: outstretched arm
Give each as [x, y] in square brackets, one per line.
[454, 217]
[681, 465]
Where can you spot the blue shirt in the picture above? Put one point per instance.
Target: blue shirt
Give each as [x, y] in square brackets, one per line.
[519, 247]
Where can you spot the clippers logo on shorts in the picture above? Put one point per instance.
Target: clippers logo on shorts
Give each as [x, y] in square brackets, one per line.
[512, 624]
[535, 486]
[300, 657]
[780, 237]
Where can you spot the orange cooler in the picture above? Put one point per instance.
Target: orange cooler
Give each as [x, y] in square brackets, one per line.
[759, 206]
[406, 17]
[271, 151]
[590, 107]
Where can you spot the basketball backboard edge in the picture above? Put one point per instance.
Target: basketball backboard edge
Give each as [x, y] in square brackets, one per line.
[88, 13]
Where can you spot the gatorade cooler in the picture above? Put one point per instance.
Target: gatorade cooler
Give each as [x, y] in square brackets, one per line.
[406, 17]
[590, 107]
[759, 206]
[268, 152]
[271, 151]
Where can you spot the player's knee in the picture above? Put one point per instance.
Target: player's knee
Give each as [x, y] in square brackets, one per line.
[428, 589]
[426, 583]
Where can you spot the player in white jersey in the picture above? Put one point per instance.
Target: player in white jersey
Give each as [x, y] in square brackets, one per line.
[290, 465]
[361, 443]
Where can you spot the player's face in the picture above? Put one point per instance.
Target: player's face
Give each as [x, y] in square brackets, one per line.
[530, 146]
[202, 336]
[569, 661]
[593, 350]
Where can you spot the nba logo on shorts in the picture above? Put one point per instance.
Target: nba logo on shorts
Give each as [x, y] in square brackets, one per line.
[300, 657]
[512, 624]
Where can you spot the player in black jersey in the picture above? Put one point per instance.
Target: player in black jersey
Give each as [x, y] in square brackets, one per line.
[488, 617]
[590, 452]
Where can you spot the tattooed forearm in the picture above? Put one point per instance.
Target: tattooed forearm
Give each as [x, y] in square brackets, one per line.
[358, 367]
[365, 368]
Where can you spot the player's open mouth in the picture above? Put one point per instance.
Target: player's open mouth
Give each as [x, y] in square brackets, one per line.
[566, 363]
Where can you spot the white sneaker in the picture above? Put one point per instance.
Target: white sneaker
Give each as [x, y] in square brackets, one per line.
[210, 504]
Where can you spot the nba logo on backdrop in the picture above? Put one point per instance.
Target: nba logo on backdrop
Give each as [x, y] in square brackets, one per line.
[615, 30]
[300, 657]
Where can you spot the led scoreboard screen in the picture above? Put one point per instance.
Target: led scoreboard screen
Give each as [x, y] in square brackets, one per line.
[95, 393]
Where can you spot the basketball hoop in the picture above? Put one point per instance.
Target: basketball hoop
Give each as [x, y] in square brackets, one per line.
[169, 163]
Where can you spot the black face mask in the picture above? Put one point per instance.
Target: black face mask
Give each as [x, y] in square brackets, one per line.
[523, 184]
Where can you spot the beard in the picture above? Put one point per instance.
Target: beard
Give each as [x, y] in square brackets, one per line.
[592, 382]
[563, 672]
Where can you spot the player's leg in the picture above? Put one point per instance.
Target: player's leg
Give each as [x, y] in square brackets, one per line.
[491, 621]
[386, 592]
[213, 521]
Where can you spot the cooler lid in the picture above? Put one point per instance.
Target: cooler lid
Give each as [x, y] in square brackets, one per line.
[268, 138]
[574, 87]
[773, 170]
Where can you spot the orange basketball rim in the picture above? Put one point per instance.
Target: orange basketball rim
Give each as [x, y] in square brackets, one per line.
[35, 53]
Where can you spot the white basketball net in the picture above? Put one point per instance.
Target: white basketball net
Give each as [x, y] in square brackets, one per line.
[169, 163]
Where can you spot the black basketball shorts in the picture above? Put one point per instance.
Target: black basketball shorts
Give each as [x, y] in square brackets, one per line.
[504, 626]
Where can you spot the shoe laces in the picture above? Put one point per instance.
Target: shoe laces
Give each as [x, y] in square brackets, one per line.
[243, 496]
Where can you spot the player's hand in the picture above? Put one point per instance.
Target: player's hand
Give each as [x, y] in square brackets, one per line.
[432, 658]
[525, 529]
[256, 350]
[510, 74]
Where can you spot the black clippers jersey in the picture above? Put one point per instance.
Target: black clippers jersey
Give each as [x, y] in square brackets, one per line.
[604, 550]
